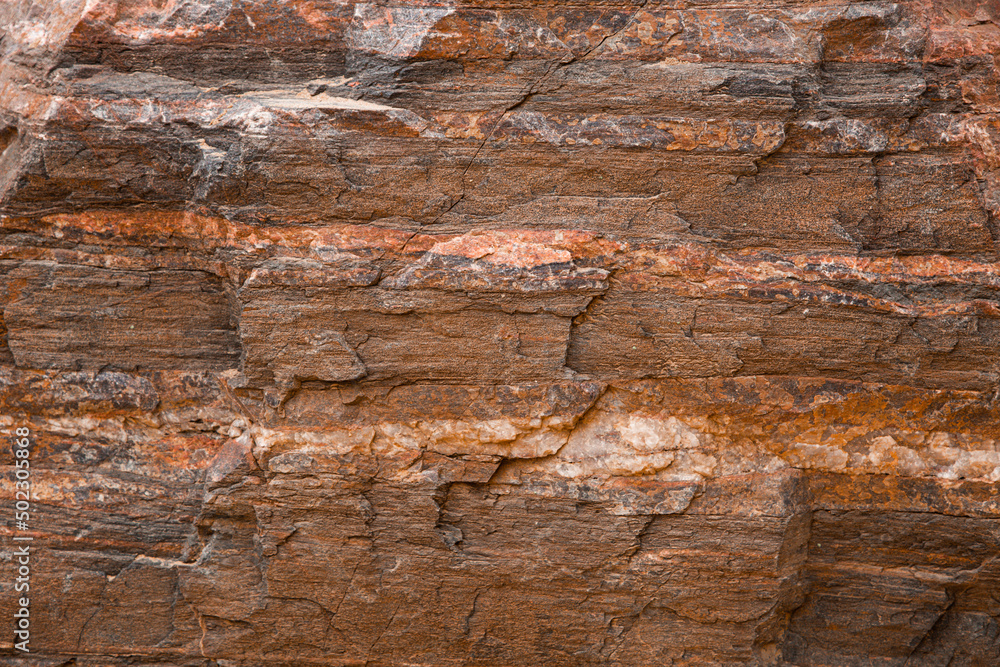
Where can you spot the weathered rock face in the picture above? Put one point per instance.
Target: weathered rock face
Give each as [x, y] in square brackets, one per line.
[430, 333]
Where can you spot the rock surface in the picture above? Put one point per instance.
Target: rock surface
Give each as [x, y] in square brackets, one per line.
[503, 333]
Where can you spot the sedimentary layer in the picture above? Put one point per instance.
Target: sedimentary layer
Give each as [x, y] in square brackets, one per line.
[503, 333]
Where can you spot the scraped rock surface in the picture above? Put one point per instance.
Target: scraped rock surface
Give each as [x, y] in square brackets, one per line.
[500, 333]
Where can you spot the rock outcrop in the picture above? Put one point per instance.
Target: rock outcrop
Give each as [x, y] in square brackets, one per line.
[502, 333]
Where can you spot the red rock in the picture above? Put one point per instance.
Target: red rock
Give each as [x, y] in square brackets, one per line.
[502, 333]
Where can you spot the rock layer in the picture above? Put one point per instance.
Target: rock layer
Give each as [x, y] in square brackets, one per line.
[423, 333]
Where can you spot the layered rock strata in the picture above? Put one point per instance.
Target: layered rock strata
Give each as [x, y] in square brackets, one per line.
[426, 333]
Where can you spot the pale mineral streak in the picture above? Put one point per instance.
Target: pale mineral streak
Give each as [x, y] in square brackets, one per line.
[493, 334]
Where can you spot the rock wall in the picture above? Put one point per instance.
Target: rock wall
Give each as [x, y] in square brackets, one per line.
[502, 333]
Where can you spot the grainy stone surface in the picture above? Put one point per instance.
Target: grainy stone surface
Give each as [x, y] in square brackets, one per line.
[503, 333]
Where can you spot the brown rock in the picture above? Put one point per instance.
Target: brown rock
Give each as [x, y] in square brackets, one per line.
[502, 333]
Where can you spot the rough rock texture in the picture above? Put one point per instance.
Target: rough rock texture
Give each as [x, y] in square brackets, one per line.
[503, 333]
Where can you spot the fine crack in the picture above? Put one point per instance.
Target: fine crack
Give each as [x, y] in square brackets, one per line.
[507, 462]
[529, 92]
[935, 627]
[368, 657]
[640, 536]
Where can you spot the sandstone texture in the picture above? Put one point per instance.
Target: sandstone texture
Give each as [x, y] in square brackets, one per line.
[502, 333]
